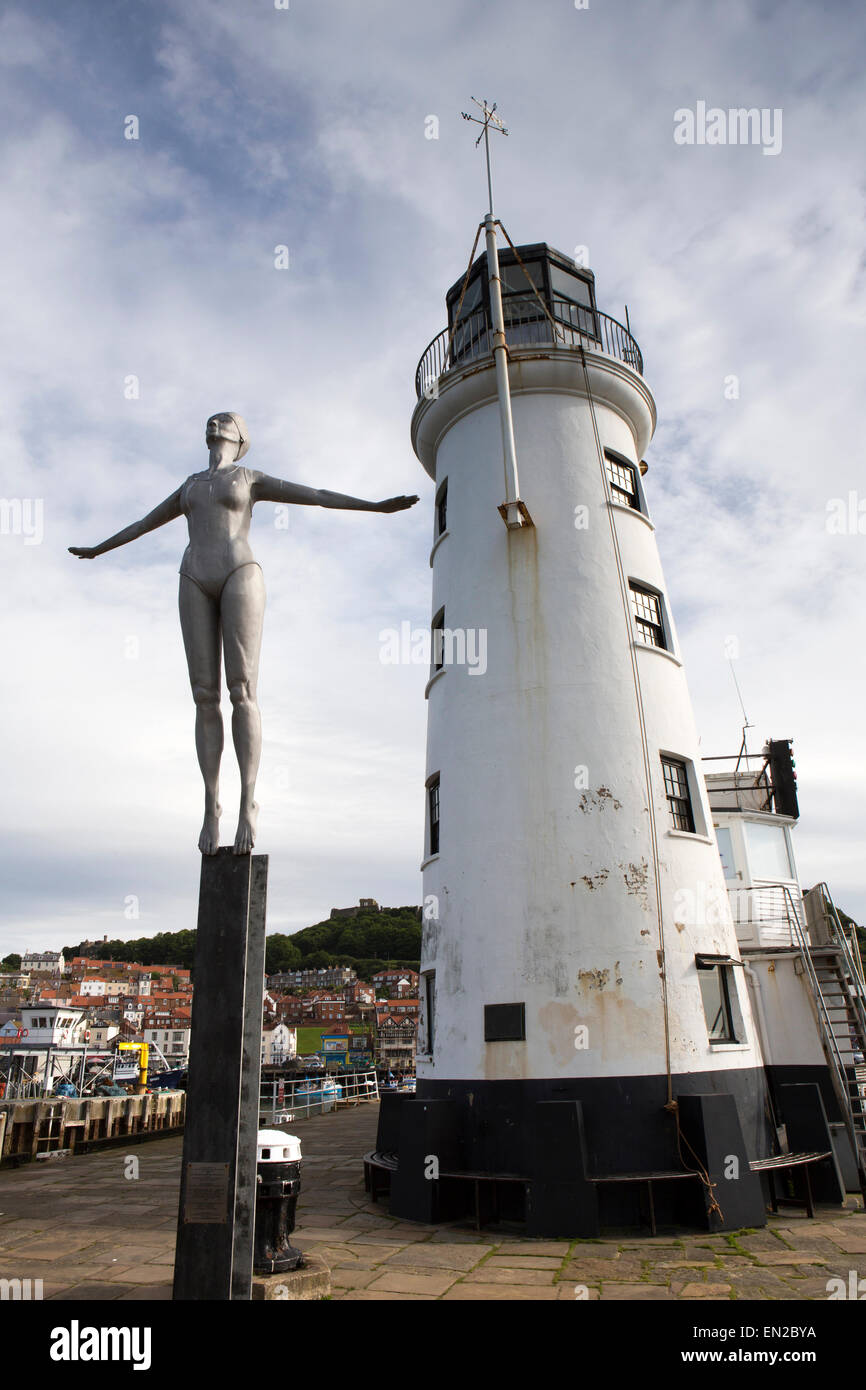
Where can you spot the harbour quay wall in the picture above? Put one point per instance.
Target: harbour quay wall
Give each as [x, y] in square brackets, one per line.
[31, 1128]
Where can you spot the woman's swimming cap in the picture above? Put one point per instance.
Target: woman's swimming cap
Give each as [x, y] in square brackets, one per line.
[243, 432]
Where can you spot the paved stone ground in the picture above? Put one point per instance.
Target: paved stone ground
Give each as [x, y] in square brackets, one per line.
[91, 1233]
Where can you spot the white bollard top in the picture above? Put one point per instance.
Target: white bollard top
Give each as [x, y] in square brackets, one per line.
[275, 1146]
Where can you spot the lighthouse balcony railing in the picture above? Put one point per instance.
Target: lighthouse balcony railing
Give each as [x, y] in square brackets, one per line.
[555, 323]
[768, 914]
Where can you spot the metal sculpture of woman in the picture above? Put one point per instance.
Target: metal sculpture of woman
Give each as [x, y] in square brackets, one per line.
[222, 602]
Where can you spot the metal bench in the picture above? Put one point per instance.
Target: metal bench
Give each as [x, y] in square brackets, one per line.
[478, 1179]
[378, 1167]
[782, 1162]
[675, 1175]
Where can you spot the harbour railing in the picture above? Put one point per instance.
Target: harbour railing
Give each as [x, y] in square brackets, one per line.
[286, 1100]
[559, 323]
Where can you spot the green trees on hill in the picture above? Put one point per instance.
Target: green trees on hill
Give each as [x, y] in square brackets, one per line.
[166, 948]
[369, 942]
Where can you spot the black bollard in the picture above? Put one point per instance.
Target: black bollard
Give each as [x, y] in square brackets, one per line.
[278, 1182]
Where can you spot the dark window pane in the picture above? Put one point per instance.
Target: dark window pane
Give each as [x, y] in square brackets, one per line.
[514, 280]
[566, 286]
[438, 644]
[717, 1004]
[677, 792]
[623, 482]
[646, 607]
[433, 799]
[471, 299]
[430, 1002]
[442, 509]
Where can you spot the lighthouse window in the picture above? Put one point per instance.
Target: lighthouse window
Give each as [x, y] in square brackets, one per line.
[715, 991]
[430, 1008]
[623, 482]
[564, 285]
[438, 632]
[471, 299]
[442, 509]
[514, 278]
[433, 806]
[646, 606]
[677, 793]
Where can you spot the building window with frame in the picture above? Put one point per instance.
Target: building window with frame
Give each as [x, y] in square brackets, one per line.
[438, 642]
[677, 792]
[646, 607]
[622, 478]
[442, 509]
[715, 984]
[433, 812]
[429, 1010]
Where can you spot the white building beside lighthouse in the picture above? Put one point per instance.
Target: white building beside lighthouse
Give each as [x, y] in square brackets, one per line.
[585, 1019]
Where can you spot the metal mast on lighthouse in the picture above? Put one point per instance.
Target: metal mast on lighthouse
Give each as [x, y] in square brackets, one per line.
[514, 512]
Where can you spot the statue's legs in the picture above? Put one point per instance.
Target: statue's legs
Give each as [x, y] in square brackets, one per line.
[242, 611]
[200, 624]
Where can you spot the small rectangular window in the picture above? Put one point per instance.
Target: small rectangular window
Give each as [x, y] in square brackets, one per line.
[566, 285]
[438, 640]
[677, 793]
[715, 991]
[442, 509]
[520, 279]
[646, 606]
[623, 482]
[433, 805]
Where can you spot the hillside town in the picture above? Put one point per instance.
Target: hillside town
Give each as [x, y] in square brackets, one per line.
[77, 1026]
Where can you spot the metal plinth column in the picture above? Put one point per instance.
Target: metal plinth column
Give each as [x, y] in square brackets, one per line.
[216, 1218]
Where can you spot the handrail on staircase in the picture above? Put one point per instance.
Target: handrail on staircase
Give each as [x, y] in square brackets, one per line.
[838, 1072]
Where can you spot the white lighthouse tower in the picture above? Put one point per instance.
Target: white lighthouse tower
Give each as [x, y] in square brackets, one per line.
[586, 1034]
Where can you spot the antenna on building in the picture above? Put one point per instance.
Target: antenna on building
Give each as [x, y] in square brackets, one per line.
[746, 724]
[490, 118]
[514, 512]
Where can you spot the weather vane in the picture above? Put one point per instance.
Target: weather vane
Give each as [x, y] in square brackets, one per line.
[490, 118]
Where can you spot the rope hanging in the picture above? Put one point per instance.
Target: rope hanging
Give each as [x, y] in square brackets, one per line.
[671, 1105]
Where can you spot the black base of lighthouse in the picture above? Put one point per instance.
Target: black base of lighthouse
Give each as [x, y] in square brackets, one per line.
[571, 1157]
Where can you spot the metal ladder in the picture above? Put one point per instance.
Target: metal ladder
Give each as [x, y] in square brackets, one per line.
[835, 975]
[48, 1129]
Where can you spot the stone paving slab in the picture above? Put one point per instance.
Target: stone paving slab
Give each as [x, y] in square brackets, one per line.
[490, 1293]
[92, 1234]
[414, 1281]
[511, 1274]
[642, 1292]
[459, 1257]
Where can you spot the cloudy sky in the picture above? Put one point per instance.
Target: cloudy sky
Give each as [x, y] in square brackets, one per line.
[154, 259]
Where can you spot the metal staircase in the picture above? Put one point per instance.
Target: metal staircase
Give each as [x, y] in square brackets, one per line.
[835, 971]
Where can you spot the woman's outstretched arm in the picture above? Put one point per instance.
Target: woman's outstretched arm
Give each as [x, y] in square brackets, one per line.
[265, 489]
[168, 510]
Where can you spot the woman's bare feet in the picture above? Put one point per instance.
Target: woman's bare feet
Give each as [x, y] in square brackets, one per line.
[246, 836]
[209, 839]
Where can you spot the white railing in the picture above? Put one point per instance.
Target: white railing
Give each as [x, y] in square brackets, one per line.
[768, 909]
[285, 1100]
